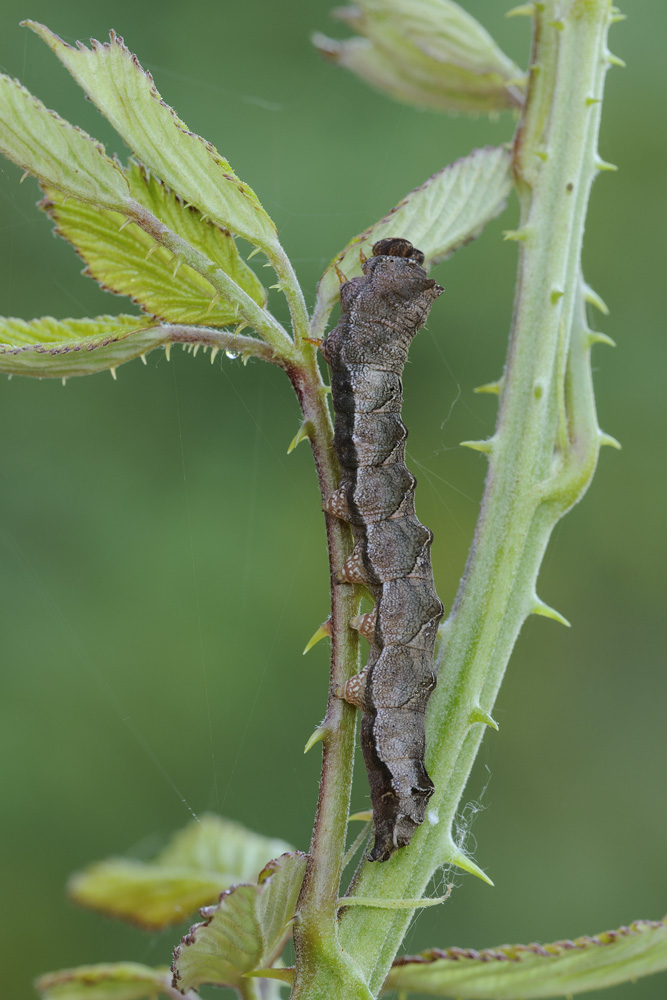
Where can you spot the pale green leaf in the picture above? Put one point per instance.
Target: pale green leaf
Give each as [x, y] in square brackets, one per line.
[536, 971]
[192, 167]
[120, 981]
[203, 860]
[127, 261]
[53, 348]
[56, 152]
[446, 212]
[245, 932]
[430, 53]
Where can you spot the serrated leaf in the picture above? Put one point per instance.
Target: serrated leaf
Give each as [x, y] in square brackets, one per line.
[60, 348]
[127, 261]
[56, 152]
[446, 212]
[201, 861]
[536, 971]
[120, 981]
[192, 167]
[245, 931]
[430, 53]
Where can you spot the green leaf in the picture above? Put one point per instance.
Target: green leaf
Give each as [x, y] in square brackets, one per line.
[447, 211]
[245, 932]
[201, 861]
[430, 53]
[192, 167]
[56, 152]
[535, 971]
[121, 981]
[53, 348]
[127, 261]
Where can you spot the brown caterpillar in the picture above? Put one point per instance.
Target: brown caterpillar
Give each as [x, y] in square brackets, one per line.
[380, 314]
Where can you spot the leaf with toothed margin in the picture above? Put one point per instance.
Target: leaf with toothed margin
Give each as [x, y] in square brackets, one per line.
[61, 348]
[535, 971]
[446, 212]
[126, 260]
[120, 981]
[245, 932]
[192, 167]
[56, 152]
[201, 861]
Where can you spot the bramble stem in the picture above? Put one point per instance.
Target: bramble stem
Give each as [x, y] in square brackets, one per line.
[541, 457]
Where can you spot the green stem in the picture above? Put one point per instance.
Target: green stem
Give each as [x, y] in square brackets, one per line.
[542, 455]
[253, 314]
[282, 265]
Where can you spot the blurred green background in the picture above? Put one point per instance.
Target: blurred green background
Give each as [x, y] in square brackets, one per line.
[163, 560]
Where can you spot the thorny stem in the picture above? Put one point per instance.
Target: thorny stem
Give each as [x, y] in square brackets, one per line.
[542, 455]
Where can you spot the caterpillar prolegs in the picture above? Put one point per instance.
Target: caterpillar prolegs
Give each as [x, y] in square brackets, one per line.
[380, 314]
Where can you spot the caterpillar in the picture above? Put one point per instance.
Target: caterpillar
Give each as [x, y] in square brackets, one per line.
[380, 314]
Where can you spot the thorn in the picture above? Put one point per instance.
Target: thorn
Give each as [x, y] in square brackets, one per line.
[195, 349]
[113, 374]
[540, 608]
[302, 434]
[239, 328]
[176, 266]
[167, 351]
[603, 165]
[203, 217]
[594, 299]
[517, 234]
[490, 387]
[279, 285]
[341, 277]
[214, 352]
[26, 173]
[479, 715]
[486, 445]
[523, 10]
[254, 252]
[316, 737]
[285, 975]
[593, 100]
[124, 225]
[614, 60]
[362, 257]
[600, 338]
[143, 358]
[607, 441]
[322, 632]
[556, 295]
[382, 902]
[455, 856]
[214, 301]
[542, 154]
[616, 17]
[156, 246]
[366, 815]
[558, 25]
[63, 380]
